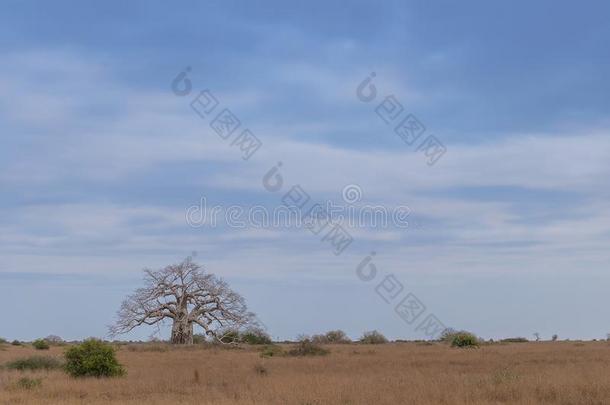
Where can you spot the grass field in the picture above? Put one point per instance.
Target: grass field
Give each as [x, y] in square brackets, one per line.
[397, 373]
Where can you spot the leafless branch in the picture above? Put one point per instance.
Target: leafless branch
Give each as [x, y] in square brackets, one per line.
[185, 294]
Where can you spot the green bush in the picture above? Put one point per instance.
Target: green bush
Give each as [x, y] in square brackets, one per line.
[93, 358]
[515, 340]
[199, 339]
[373, 338]
[464, 339]
[460, 338]
[229, 336]
[35, 363]
[333, 336]
[255, 337]
[271, 351]
[307, 348]
[40, 344]
[2, 341]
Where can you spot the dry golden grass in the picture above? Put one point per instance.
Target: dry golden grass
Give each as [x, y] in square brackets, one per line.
[406, 373]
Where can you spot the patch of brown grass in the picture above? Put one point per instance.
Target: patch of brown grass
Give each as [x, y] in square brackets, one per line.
[525, 373]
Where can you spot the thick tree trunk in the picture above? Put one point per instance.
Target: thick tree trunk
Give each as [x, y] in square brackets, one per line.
[182, 332]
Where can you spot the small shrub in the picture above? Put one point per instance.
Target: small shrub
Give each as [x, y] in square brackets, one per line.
[307, 348]
[229, 336]
[41, 344]
[373, 338]
[460, 338]
[35, 363]
[515, 340]
[28, 383]
[337, 336]
[331, 337]
[93, 358]
[255, 337]
[16, 343]
[2, 341]
[271, 351]
[464, 339]
[199, 339]
[319, 339]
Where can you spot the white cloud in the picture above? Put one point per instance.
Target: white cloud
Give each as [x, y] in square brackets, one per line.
[64, 140]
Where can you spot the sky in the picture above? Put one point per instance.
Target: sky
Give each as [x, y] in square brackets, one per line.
[102, 155]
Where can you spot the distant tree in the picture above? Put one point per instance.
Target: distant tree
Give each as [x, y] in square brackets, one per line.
[514, 340]
[255, 336]
[319, 339]
[337, 336]
[333, 336]
[54, 340]
[537, 336]
[40, 344]
[373, 337]
[554, 338]
[305, 347]
[460, 338]
[186, 295]
[464, 339]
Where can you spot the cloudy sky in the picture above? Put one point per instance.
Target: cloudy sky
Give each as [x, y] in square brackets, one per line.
[509, 230]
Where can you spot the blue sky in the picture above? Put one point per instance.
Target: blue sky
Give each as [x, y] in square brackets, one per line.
[99, 159]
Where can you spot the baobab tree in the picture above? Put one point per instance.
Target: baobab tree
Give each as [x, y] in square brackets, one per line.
[185, 295]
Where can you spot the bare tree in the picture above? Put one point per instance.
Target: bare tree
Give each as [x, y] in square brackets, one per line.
[185, 294]
[54, 340]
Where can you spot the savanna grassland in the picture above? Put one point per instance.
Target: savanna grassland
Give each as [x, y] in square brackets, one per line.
[396, 373]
